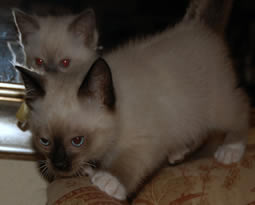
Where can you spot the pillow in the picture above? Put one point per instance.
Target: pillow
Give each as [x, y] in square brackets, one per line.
[197, 181]
[203, 182]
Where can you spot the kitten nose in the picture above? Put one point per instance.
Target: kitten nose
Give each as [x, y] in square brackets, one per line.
[59, 158]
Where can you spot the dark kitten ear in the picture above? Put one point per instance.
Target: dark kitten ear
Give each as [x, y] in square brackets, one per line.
[25, 23]
[98, 84]
[84, 25]
[33, 83]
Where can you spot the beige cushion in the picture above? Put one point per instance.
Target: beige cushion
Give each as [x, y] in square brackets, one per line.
[203, 182]
[197, 181]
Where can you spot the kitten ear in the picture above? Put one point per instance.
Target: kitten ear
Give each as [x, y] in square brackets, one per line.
[98, 84]
[33, 83]
[84, 25]
[25, 23]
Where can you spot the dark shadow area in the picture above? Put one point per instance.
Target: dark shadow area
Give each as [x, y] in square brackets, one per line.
[241, 38]
[119, 21]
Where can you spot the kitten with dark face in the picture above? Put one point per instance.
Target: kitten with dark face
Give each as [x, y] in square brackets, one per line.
[150, 100]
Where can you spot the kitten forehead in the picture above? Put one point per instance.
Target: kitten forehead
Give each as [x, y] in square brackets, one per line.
[59, 123]
[63, 122]
[61, 112]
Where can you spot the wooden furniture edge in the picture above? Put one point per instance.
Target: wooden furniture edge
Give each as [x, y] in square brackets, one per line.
[12, 92]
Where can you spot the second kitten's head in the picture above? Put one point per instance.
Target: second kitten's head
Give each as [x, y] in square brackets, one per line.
[57, 43]
[72, 116]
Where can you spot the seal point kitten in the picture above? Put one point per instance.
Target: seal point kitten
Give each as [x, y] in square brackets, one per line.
[57, 43]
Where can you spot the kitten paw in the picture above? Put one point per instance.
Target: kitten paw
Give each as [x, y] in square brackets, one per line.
[109, 184]
[230, 153]
[176, 157]
[88, 171]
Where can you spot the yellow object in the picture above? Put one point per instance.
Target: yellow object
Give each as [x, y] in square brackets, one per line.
[22, 114]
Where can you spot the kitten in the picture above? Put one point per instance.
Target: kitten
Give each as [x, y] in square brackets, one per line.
[147, 101]
[57, 43]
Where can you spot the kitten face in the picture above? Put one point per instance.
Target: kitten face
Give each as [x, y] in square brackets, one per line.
[70, 144]
[74, 124]
[57, 43]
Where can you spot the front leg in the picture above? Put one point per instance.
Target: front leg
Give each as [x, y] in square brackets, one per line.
[106, 183]
[126, 172]
[109, 184]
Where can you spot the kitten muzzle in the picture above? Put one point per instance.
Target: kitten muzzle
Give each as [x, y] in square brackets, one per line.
[62, 165]
[60, 160]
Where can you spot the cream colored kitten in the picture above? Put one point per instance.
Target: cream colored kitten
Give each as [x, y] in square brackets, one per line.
[57, 43]
[147, 101]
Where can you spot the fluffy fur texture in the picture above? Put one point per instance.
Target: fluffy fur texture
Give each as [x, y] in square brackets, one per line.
[149, 100]
[54, 38]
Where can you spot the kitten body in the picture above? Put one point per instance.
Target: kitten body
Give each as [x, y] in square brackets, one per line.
[171, 90]
[150, 100]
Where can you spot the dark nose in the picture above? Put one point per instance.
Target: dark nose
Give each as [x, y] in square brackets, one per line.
[59, 158]
[61, 165]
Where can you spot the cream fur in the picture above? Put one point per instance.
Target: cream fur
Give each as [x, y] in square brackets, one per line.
[52, 42]
[171, 90]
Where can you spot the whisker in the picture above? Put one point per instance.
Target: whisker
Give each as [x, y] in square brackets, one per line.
[46, 174]
[89, 164]
[78, 173]
[44, 170]
[42, 166]
[42, 162]
[81, 173]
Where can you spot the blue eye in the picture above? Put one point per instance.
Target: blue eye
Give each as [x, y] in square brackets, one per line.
[78, 141]
[44, 141]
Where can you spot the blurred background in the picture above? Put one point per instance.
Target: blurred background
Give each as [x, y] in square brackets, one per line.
[118, 21]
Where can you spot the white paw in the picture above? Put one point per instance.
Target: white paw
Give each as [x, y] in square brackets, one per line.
[176, 157]
[89, 171]
[230, 153]
[109, 184]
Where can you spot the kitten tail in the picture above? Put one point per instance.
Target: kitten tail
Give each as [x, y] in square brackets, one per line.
[214, 13]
